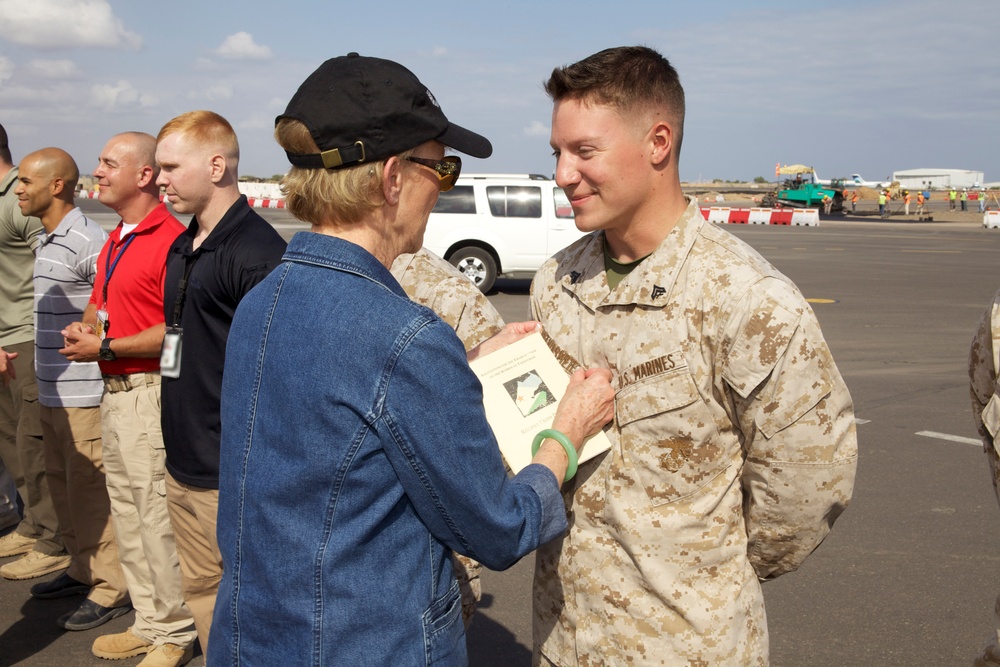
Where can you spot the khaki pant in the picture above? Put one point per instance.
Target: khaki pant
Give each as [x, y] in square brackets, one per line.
[23, 452]
[134, 462]
[75, 470]
[193, 513]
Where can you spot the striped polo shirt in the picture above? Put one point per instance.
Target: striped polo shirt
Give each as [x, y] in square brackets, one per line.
[64, 279]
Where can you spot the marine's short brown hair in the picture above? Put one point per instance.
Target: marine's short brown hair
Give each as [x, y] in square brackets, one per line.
[627, 78]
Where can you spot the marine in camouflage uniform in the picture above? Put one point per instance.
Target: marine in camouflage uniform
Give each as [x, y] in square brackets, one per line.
[984, 359]
[734, 450]
[733, 446]
[433, 282]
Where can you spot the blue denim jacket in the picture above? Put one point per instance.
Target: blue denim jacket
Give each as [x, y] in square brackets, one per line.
[355, 455]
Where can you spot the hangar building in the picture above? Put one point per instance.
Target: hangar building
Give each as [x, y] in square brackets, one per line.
[918, 179]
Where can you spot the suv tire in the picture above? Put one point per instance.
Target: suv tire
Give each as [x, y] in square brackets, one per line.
[477, 265]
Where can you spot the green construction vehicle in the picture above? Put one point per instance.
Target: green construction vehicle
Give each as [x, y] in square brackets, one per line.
[801, 192]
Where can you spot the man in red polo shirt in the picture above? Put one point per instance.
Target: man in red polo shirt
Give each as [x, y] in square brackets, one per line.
[123, 328]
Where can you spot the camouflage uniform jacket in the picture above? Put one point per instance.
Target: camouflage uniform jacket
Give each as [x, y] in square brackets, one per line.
[734, 450]
[433, 282]
[984, 359]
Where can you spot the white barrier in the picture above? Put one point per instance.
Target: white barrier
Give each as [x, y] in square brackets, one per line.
[718, 214]
[991, 219]
[759, 216]
[806, 217]
[254, 202]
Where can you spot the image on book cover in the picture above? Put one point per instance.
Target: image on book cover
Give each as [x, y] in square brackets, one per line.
[529, 393]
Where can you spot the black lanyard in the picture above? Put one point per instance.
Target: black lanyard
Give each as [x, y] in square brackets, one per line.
[189, 261]
[111, 265]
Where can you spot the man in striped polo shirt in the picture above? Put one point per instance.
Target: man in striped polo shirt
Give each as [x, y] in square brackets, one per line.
[70, 393]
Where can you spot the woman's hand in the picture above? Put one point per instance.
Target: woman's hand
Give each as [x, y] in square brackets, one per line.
[588, 405]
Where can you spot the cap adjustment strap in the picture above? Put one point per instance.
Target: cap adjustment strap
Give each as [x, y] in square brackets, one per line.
[329, 159]
[335, 157]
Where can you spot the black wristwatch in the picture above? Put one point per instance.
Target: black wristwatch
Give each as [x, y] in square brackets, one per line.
[106, 353]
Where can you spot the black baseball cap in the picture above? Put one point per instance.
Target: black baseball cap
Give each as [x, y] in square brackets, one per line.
[361, 109]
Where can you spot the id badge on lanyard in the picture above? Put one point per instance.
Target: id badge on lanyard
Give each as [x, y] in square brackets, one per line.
[170, 353]
[103, 322]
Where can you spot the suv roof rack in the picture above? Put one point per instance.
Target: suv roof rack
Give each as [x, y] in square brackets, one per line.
[527, 177]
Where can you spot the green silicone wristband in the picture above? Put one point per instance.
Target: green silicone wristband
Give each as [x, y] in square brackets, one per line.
[561, 438]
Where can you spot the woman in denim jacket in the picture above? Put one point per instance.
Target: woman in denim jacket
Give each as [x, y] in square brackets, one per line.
[355, 449]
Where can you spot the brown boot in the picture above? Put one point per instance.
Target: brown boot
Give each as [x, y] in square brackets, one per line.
[168, 655]
[34, 564]
[14, 544]
[122, 645]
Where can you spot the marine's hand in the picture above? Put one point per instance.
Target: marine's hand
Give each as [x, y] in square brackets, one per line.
[513, 332]
[588, 405]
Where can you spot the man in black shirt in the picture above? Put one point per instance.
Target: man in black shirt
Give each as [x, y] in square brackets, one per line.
[227, 249]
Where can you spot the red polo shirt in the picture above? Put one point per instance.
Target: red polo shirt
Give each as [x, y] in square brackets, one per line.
[135, 291]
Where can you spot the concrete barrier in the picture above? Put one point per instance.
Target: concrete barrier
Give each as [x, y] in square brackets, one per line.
[255, 202]
[717, 214]
[806, 217]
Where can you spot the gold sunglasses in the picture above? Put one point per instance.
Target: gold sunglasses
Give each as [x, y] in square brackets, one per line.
[447, 169]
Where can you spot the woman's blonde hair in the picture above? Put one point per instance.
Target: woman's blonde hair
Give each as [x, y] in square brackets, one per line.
[327, 196]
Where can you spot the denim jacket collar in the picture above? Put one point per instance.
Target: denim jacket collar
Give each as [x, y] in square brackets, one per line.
[336, 253]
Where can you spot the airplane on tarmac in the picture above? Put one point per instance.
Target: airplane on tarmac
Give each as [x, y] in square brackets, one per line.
[855, 181]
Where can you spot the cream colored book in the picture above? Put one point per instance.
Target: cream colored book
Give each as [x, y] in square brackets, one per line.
[522, 386]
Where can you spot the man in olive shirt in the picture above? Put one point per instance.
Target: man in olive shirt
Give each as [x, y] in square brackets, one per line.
[21, 449]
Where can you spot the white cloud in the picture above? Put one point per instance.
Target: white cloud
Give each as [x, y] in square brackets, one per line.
[212, 93]
[52, 69]
[536, 129]
[241, 46]
[6, 68]
[61, 24]
[121, 96]
[257, 121]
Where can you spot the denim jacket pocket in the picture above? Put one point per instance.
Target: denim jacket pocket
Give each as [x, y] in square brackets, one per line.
[668, 436]
[444, 632]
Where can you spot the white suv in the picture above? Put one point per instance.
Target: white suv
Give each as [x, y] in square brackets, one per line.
[507, 225]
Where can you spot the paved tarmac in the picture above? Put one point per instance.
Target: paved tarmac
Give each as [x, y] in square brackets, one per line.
[911, 571]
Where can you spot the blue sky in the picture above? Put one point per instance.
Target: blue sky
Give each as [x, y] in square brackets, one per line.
[849, 86]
